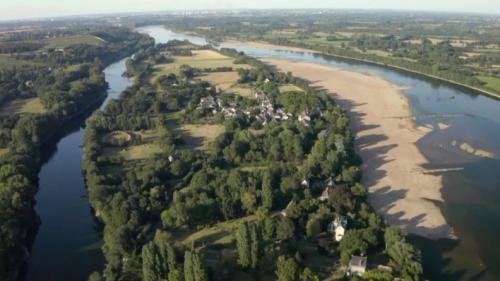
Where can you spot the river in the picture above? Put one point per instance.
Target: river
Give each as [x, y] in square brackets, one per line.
[68, 241]
[67, 246]
[471, 191]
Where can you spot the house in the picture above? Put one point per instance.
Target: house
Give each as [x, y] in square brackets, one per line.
[208, 102]
[304, 118]
[305, 183]
[357, 265]
[338, 227]
[171, 158]
[325, 194]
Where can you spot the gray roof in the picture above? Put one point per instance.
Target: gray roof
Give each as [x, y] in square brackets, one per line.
[358, 261]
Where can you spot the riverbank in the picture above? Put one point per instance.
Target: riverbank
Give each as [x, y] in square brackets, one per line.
[266, 45]
[263, 44]
[399, 190]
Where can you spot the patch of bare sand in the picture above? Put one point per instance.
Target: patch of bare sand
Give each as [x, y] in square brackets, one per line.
[265, 45]
[399, 190]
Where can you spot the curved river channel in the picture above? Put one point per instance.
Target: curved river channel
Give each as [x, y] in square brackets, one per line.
[67, 246]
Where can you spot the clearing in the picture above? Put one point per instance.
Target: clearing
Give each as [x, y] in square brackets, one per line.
[200, 136]
[64, 42]
[144, 144]
[227, 82]
[221, 80]
[22, 106]
[290, 88]
[201, 59]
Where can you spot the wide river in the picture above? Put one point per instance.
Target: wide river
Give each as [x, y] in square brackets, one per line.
[67, 244]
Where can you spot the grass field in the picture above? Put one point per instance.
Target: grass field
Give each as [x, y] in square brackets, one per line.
[218, 234]
[3, 151]
[221, 80]
[141, 151]
[22, 106]
[491, 82]
[242, 91]
[290, 88]
[200, 136]
[200, 59]
[146, 148]
[63, 42]
[7, 61]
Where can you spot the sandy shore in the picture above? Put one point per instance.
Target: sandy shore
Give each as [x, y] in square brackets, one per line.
[265, 45]
[386, 138]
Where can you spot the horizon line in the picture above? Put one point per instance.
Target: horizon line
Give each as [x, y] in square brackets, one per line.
[170, 11]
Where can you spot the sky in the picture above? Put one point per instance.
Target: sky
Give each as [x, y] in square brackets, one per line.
[19, 9]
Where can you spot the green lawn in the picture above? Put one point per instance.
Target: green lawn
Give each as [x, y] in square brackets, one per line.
[63, 42]
[492, 83]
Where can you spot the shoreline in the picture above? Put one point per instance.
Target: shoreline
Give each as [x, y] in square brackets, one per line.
[266, 45]
[398, 189]
[263, 44]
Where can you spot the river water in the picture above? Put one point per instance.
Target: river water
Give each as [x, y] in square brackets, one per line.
[67, 246]
[471, 191]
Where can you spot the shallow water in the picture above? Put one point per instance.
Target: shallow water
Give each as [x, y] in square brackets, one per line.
[68, 243]
[471, 192]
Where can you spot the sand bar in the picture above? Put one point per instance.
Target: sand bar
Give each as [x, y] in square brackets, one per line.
[399, 190]
[265, 45]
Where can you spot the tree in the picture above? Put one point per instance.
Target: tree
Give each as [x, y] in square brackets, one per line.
[151, 270]
[308, 275]
[352, 243]
[285, 229]
[402, 254]
[194, 266]
[287, 269]
[248, 201]
[248, 243]
[95, 276]
[256, 248]
[313, 227]
[267, 191]
[243, 244]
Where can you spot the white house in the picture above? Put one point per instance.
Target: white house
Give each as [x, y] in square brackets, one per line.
[338, 228]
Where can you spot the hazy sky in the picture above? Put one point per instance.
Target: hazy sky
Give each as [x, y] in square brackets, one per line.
[15, 9]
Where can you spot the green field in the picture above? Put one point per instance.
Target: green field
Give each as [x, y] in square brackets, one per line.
[200, 59]
[492, 83]
[64, 42]
[120, 144]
